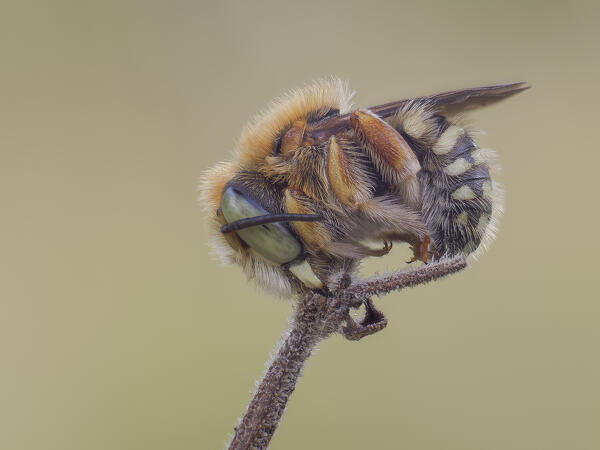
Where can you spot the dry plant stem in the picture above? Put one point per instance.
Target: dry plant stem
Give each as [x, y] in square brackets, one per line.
[406, 278]
[316, 317]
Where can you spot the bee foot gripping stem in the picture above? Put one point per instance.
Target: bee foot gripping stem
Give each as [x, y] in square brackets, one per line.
[420, 251]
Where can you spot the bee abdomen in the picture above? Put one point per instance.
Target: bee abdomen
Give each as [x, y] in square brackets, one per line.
[457, 203]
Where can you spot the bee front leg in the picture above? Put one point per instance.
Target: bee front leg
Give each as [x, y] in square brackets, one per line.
[394, 159]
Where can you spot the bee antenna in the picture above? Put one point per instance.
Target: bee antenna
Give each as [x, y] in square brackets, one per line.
[270, 218]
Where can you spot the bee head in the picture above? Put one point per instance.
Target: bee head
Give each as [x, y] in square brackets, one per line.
[245, 197]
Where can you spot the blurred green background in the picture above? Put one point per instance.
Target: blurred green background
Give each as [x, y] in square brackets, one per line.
[118, 327]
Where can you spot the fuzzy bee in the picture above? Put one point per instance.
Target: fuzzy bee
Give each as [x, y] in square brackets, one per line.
[313, 184]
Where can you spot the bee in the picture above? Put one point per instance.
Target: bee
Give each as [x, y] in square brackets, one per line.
[313, 183]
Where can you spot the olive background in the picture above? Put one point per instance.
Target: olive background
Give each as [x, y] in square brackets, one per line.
[119, 329]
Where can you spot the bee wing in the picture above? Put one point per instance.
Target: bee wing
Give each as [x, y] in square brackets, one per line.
[447, 103]
[453, 102]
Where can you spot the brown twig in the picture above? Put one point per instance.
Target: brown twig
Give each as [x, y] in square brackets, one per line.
[405, 278]
[315, 318]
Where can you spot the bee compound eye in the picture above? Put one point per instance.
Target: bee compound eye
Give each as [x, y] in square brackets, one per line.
[272, 240]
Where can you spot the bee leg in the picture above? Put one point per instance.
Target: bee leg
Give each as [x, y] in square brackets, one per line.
[394, 159]
[387, 247]
[396, 222]
[419, 244]
[313, 234]
[373, 321]
[420, 250]
[349, 187]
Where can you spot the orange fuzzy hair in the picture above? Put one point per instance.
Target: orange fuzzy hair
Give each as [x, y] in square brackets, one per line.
[253, 146]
